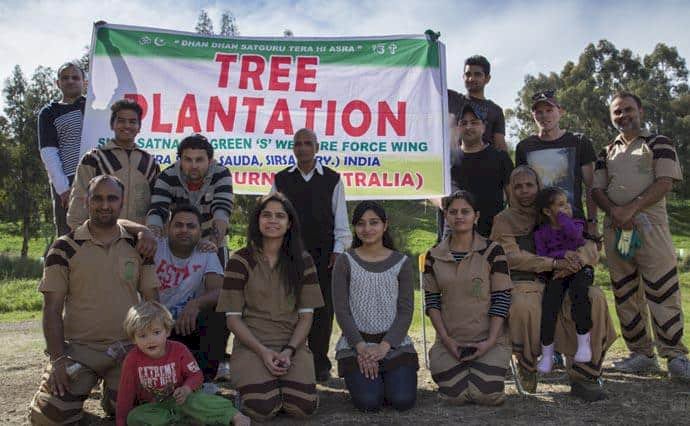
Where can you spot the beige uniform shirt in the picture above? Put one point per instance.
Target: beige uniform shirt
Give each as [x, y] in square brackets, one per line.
[257, 291]
[466, 286]
[100, 284]
[626, 171]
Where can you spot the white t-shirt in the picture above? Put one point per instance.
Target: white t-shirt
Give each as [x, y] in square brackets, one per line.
[181, 280]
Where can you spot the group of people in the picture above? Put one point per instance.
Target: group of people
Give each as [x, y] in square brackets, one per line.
[141, 294]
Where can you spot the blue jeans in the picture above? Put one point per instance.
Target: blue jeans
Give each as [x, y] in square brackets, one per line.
[397, 387]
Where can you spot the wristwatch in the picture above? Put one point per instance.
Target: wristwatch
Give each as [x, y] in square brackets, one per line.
[292, 348]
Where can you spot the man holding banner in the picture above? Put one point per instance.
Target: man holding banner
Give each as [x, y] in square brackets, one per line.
[325, 231]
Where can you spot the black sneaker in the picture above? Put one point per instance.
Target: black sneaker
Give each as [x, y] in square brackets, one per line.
[587, 390]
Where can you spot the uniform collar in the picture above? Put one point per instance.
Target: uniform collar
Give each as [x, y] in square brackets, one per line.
[644, 134]
[442, 250]
[83, 233]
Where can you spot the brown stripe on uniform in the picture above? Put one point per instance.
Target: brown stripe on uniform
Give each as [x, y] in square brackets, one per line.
[632, 324]
[636, 337]
[496, 251]
[262, 407]
[446, 375]
[233, 284]
[302, 387]
[56, 414]
[55, 259]
[664, 153]
[623, 281]
[311, 278]
[673, 341]
[500, 267]
[456, 389]
[259, 387]
[112, 159]
[625, 296]
[656, 285]
[304, 405]
[663, 297]
[65, 246]
[489, 386]
[490, 370]
[584, 372]
[668, 324]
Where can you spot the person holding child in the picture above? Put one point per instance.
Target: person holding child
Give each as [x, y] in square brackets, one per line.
[468, 295]
[558, 237]
[373, 298]
[164, 378]
[269, 294]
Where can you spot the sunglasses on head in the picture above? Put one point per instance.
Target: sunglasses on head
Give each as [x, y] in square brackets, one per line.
[546, 94]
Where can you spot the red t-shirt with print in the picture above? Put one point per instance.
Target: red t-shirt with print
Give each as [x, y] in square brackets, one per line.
[144, 379]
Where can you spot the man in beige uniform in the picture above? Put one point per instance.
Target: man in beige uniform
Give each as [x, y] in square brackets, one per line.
[513, 229]
[91, 277]
[120, 157]
[632, 177]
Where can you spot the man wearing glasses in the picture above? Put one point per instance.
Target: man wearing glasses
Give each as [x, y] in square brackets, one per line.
[561, 158]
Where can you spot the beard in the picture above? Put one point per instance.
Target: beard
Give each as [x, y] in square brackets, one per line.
[106, 222]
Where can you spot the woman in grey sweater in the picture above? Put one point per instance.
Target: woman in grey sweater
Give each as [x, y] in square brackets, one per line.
[373, 300]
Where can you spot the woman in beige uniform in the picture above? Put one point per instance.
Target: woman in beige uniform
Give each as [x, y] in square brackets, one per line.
[467, 295]
[269, 295]
[514, 228]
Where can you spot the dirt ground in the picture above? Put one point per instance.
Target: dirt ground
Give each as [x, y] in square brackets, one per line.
[632, 399]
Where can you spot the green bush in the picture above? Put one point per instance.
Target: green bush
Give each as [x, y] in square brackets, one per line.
[16, 267]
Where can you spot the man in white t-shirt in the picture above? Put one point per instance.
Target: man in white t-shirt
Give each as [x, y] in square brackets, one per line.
[190, 282]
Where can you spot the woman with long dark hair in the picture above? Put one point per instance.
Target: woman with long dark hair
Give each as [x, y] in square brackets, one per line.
[269, 295]
[467, 297]
[373, 300]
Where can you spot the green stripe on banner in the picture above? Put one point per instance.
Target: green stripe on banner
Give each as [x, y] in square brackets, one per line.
[374, 52]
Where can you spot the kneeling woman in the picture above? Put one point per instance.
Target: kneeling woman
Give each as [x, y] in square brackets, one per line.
[269, 295]
[373, 299]
[467, 295]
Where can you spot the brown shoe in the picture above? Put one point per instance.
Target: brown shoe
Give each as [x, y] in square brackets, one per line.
[528, 379]
[586, 390]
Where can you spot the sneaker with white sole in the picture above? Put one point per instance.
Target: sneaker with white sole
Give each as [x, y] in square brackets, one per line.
[679, 368]
[637, 363]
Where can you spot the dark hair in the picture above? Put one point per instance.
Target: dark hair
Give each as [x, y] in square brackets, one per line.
[125, 104]
[70, 64]
[195, 141]
[460, 195]
[291, 256]
[480, 61]
[379, 211]
[185, 208]
[623, 94]
[96, 180]
[544, 199]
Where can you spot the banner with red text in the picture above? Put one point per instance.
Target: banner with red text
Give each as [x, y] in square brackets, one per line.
[377, 104]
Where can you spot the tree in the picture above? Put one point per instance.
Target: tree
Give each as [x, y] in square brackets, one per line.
[288, 33]
[228, 25]
[204, 25]
[25, 190]
[585, 90]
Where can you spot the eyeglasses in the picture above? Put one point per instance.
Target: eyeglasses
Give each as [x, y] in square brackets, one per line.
[546, 94]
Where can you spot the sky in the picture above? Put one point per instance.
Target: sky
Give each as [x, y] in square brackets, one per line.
[518, 37]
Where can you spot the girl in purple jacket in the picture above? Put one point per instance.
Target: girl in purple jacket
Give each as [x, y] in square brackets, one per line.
[559, 236]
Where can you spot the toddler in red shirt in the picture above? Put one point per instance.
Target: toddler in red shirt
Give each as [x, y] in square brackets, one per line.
[160, 378]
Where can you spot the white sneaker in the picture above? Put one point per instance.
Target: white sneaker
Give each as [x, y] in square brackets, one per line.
[679, 368]
[637, 363]
[210, 388]
[584, 348]
[545, 364]
[223, 373]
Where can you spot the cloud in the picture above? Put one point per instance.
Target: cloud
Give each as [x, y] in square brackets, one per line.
[518, 37]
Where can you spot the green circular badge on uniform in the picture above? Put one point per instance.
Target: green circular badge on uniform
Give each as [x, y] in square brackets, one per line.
[129, 270]
[477, 286]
